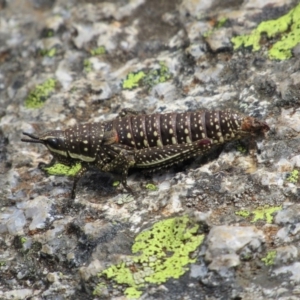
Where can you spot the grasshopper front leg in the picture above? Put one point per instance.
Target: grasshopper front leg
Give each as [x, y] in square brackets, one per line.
[121, 163]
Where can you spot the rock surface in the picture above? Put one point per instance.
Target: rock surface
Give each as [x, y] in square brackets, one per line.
[68, 62]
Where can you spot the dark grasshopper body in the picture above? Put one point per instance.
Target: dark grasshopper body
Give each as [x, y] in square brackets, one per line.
[145, 141]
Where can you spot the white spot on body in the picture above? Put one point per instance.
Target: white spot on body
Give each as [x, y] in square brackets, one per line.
[159, 144]
[82, 157]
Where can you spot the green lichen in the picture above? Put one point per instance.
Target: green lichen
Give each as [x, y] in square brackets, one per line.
[148, 78]
[157, 76]
[163, 253]
[260, 213]
[265, 213]
[98, 51]
[50, 33]
[219, 24]
[125, 198]
[151, 187]
[100, 288]
[133, 80]
[2, 263]
[60, 169]
[39, 95]
[48, 52]
[287, 27]
[23, 240]
[243, 213]
[270, 258]
[87, 65]
[241, 148]
[116, 183]
[294, 176]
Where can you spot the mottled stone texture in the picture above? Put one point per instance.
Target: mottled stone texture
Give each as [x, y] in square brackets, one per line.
[63, 63]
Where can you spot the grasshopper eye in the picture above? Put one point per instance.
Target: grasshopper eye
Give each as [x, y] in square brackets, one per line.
[52, 142]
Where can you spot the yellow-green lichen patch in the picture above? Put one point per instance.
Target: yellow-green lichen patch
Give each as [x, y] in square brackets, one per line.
[2, 263]
[265, 213]
[218, 25]
[241, 148]
[261, 213]
[60, 169]
[48, 52]
[156, 76]
[294, 176]
[151, 187]
[133, 80]
[49, 33]
[163, 253]
[221, 22]
[87, 65]
[116, 183]
[124, 198]
[98, 51]
[243, 213]
[147, 78]
[39, 95]
[288, 26]
[270, 258]
[100, 288]
[23, 240]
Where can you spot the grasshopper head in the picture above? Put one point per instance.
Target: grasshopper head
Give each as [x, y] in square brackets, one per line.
[53, 140]
[254, 126]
